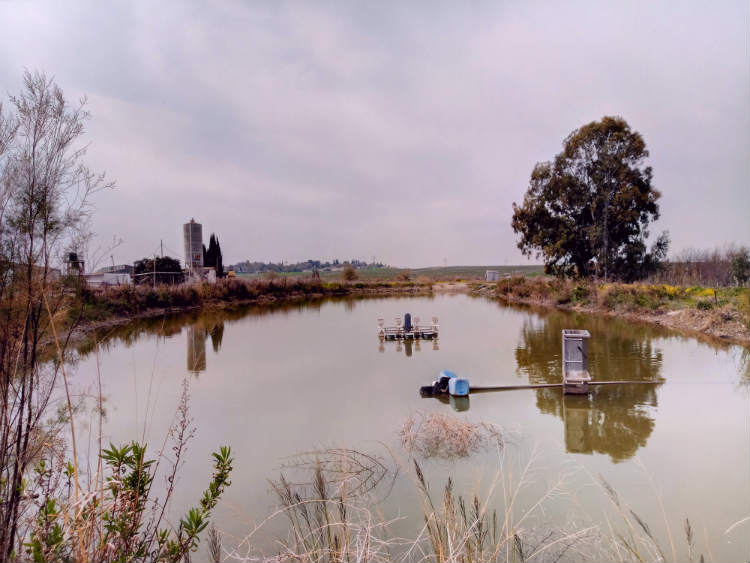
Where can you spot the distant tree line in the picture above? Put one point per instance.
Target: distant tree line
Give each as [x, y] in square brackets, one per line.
[248, 267]
[707, 267]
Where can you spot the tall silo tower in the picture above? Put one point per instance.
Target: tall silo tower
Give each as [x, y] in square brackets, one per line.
[193, 235]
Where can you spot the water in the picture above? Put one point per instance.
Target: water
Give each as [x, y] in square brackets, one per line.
[276, 383]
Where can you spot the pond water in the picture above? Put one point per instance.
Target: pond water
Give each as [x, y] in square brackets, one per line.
[275, 383]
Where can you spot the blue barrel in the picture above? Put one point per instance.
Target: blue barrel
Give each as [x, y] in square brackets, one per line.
[407, 322]
[446, 373]
[458, 387]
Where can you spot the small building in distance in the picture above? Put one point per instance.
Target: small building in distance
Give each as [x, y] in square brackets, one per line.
[100, 280]
[492, 275]
[118, 269]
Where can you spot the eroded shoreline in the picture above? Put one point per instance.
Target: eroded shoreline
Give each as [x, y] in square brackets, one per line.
[717, 324]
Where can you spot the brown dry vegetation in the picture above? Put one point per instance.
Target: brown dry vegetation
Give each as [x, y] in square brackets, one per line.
[331, 517]
[434, 434]
[702, 267]
[111, 306]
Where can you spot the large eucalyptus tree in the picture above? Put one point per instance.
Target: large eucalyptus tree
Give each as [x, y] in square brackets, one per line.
[587, 212]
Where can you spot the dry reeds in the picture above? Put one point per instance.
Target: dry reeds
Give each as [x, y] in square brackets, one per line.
[457, 530]
[508, 521]
[633, 538]
[327, 521]
[445, 436]
[356, 472]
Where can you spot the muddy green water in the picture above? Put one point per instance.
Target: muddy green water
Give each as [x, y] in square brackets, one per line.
[277, 383]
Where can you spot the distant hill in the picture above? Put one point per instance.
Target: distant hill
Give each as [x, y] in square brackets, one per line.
[437, 273]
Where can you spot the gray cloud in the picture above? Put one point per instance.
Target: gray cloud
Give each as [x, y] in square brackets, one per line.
[404, 131]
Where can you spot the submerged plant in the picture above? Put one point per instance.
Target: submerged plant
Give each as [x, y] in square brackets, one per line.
[445, 436]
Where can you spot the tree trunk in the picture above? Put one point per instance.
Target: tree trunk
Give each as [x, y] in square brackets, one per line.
[605, 238]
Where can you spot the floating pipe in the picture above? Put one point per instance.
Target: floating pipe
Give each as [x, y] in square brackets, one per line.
[431, 390]
[545, 385]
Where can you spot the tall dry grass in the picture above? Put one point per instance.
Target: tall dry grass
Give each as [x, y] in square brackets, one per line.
[333, 519]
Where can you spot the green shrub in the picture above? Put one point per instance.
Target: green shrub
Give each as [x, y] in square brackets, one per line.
[580, 294]
[349, 273]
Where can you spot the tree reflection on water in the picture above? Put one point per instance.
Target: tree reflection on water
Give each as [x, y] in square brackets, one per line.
[613, 419]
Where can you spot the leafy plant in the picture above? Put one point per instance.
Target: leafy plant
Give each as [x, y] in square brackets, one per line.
[115, 523]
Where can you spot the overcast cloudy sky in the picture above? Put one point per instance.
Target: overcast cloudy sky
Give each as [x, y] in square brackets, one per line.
[401, 130]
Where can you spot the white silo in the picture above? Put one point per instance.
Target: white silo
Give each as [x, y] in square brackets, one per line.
[193, 236]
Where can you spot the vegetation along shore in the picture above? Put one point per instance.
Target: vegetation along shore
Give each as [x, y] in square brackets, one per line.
[714, 312]
[88, 310]
[722, 312]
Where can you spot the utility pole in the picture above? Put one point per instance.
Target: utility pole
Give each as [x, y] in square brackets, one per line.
[161, 243]
[154, 271]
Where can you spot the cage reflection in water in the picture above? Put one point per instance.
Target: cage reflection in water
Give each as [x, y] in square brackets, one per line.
[576, 415]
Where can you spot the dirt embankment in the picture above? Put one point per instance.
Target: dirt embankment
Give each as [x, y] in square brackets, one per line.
[111, 314]
[451, 287]
[699, 312]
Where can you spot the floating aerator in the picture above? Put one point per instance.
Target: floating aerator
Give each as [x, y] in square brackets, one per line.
[446, 383]
[458, 387]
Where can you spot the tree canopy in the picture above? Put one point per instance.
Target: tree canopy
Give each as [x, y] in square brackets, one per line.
[587, 212]
[166, 270]
[740, 266]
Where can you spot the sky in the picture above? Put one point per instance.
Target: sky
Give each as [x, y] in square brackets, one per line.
[400, 131]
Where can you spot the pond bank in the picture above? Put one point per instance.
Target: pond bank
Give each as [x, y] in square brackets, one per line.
[92, 312]
[721, 313]
[705, 313]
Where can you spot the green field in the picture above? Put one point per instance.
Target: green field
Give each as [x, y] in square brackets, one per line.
[449, 273]
[474, 272]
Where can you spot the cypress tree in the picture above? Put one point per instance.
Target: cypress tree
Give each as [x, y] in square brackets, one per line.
[213, 258]
[219, 260]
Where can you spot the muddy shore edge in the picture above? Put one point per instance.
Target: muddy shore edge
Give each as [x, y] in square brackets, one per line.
[713, 325]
